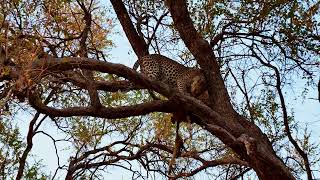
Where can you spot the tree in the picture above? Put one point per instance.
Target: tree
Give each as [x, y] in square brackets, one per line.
[54, 65]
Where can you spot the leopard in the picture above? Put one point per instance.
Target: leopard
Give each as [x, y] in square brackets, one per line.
[184, 79]
[161, 68]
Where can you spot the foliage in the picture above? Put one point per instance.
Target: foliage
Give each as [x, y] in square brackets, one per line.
[12, 147]
[56, 69]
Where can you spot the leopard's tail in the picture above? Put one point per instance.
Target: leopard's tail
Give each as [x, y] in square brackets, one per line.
[136, 65]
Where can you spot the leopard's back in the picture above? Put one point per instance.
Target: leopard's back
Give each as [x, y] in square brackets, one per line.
[163, 69]
[168, 71]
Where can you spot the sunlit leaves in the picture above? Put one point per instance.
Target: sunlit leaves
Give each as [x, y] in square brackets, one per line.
[86, 132]
[163, 127]
[31, 30]
[30, 27]
[254, 37]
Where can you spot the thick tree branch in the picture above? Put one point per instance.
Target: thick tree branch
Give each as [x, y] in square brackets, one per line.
[202, 51]
[110, 86]
[209, 119]
[103, 112]
[43, 67]
[220, 101]
[138, 44]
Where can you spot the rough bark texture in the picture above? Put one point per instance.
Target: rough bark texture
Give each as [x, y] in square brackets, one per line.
[251, 144]
[236, 132]
[220, 119]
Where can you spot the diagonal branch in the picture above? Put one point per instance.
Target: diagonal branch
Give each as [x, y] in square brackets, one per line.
[208, 119]
[138, 44]
[212, 163]
[285, 113]
[220, 100]
[201, 49]
[42, 67]
[31, 133]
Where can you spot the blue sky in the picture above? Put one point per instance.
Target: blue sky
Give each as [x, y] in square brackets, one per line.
[306, 112]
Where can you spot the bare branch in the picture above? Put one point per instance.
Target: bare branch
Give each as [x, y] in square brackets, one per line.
[285, 113]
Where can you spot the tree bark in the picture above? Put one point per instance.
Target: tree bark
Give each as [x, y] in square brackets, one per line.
[251, 145]
[138, 44]
[243, 137]
[220, 119]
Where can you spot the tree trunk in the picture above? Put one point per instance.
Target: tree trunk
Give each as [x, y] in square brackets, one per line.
[248, 141]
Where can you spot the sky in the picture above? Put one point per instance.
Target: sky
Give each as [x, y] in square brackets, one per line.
[306, 113]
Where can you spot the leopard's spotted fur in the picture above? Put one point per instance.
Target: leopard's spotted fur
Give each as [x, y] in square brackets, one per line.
[168, 71]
